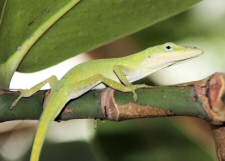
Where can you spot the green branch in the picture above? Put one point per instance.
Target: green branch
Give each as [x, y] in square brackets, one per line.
[200, 99]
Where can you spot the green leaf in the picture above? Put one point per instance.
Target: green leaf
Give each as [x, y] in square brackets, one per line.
[88, 25]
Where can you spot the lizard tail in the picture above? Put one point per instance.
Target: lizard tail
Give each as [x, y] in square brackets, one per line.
[48, 116]
[39, 139]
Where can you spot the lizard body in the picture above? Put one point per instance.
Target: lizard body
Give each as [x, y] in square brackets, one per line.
[117, 73]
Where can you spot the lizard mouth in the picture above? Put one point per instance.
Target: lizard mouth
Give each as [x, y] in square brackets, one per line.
[192, 54]
[177, 61]
[189, 58]
[181, 60]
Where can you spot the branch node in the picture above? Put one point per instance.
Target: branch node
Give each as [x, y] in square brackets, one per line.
[113, 111]
[212, 93]
[109, 107]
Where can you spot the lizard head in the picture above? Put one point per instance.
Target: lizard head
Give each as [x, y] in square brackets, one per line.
[168, 54]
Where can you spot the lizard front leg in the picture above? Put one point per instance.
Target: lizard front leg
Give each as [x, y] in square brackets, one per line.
[120, 74]
[119, 71]
[87, 84]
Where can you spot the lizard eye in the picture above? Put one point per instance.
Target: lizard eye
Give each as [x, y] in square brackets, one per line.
[168, 48]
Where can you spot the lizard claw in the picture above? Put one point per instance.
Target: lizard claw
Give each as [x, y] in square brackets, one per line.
[134, 87]
[22, 94]
[134, 95]
[15, 102]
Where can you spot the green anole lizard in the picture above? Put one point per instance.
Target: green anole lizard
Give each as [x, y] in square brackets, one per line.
[117, 73]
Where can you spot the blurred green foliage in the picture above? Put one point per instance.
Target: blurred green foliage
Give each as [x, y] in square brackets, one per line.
[148, 140]
[88, 25]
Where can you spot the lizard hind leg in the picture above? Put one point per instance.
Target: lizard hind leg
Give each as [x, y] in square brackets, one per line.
[29, 92]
